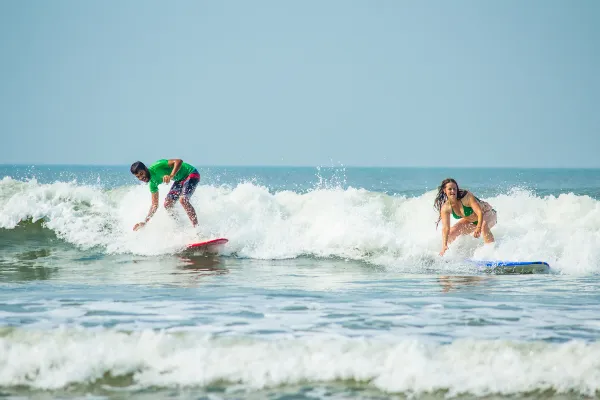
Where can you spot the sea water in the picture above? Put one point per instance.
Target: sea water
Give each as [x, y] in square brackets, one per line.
[330, 287]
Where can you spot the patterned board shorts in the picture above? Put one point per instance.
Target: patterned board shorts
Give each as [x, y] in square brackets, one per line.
[185, 186]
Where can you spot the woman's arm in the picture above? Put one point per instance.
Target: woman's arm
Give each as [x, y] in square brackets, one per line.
[445, 216]
[470, 201]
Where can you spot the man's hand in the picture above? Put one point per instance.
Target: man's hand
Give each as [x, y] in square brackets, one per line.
[166, 178]
[138, 226]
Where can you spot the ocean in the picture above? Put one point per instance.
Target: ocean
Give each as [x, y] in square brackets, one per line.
[330, 287]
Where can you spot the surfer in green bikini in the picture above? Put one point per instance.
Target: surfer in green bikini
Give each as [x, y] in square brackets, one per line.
[185, 178]
[475, 216]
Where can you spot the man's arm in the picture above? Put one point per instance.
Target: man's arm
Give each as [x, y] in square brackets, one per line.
[175, 164]
[153, 209]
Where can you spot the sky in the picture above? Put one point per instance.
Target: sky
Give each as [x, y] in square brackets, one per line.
[465, 83]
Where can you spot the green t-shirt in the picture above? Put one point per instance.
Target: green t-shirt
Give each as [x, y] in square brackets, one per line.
[161, 168]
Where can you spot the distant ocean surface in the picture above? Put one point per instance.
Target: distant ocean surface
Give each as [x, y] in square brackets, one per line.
[330, 287]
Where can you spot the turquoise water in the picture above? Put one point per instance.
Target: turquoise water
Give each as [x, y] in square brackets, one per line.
[330, 287]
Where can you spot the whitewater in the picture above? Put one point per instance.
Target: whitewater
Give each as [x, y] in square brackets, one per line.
[331, 286]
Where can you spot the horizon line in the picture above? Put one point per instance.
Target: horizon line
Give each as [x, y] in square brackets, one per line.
[304, 166]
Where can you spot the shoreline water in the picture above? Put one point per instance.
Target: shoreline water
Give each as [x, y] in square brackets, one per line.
[330, 287]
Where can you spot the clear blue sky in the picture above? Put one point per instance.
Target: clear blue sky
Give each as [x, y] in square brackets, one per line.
[366, 83]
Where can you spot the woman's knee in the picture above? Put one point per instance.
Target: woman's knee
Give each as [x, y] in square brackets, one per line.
[456, 231]
[453, 231]
[461, 228]
[490, 219]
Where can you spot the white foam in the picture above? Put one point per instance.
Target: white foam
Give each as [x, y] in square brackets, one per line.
[392, 231]
[55, 359]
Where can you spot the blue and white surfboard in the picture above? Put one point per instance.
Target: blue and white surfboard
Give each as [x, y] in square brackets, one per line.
[512, 267]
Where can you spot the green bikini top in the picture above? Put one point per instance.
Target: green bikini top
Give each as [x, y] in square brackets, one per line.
[466, 210]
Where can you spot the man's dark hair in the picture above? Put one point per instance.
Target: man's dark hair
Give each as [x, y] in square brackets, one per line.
[137, 167]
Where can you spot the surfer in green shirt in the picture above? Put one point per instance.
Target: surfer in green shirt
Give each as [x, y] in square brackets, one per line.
[474, 215]
[185, 178]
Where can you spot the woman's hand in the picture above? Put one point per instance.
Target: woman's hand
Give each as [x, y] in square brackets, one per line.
[443, 251]
[138, 226]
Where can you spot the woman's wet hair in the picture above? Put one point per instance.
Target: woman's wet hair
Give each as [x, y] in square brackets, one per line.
[441, 197]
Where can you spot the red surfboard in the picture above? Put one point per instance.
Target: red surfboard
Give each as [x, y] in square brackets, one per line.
[207, 244]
